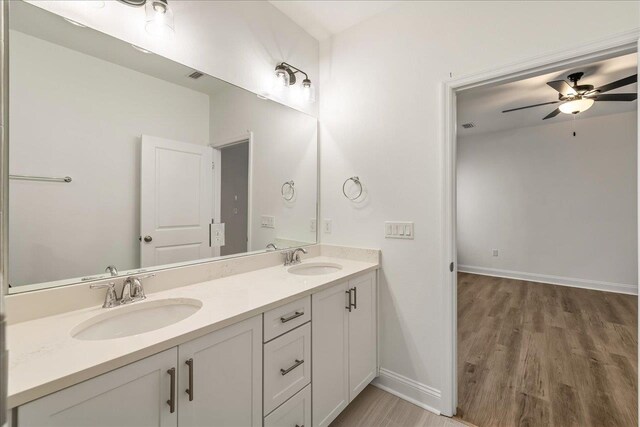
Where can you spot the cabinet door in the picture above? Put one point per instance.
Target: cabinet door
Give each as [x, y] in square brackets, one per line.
[226, 372]
[362, 334]
[134, 395]
[330, 354]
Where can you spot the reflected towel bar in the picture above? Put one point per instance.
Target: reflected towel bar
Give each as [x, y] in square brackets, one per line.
[40, 178]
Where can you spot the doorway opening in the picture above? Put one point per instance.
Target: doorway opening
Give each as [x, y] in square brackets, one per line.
[559, 341]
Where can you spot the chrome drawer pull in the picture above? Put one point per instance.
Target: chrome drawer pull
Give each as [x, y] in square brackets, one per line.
[349, 304]
[293, 316]
[294, 366]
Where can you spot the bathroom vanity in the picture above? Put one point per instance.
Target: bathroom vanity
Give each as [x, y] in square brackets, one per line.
[277, 346]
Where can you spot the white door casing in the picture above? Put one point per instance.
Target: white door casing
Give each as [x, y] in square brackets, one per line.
[176, 191]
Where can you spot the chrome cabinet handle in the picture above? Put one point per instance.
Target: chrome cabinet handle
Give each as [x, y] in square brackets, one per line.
[355, 297]
[294, 366]
[172, 396]
[348, 307]
[189, 391]
[293, 316]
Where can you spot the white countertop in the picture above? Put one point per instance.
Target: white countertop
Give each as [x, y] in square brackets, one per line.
[44, 358]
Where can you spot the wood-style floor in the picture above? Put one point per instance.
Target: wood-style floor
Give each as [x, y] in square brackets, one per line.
[532, 354]
[377, 408]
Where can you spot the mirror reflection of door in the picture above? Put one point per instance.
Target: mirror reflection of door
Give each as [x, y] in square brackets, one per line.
[175, 210]
[234, 197]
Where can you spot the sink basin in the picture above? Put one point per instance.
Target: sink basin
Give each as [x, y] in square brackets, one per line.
[136, 318]
[315, 268]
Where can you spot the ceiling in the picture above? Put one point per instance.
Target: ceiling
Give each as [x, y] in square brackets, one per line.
[322, 19]
[483, 106]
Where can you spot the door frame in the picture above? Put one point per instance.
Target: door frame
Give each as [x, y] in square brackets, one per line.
[619, 44]
[219, 144]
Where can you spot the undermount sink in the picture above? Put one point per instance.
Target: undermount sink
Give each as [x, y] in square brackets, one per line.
[315, 268]
[136, 318]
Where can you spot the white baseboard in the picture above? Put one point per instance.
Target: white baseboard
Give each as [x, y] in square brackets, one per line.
[621, 288]
[412, 391]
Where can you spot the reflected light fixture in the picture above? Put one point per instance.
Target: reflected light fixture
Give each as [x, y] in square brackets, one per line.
[158, 16]
[285, 75]
[576, 106]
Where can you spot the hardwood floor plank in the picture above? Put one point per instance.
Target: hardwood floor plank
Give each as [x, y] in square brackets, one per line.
[532, 354]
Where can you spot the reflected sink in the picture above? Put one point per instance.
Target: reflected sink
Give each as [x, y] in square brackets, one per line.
[136, 318]
[315, 268]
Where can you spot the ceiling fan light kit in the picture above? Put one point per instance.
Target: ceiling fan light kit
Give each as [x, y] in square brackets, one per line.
[574, 98]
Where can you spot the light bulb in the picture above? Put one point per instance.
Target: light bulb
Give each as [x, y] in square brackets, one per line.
[282, 76]
[308, 91]
[576, 106]
[159, 18]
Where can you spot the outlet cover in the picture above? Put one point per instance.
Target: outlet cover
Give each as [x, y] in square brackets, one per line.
[327, 226]
[216, 232]
[495, 252]
[312, 224]
[267, 221]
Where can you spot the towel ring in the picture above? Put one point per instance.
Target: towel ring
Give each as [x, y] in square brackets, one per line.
[356, 181]
[288, 189]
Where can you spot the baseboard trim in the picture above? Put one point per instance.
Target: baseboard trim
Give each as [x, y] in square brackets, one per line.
[620, 288]
[412, 391]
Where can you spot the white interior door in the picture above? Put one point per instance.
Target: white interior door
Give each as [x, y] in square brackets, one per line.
[176, 201]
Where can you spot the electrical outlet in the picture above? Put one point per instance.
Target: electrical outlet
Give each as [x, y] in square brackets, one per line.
[326, 226]
[312, 224]
[495, 252]
[217, 234]
[398, 230]
[267, 221]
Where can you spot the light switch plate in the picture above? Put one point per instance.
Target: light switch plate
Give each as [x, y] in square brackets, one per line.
[327, 226]
[398, 230]
[216, 234]
[312, 224]
[267, 221]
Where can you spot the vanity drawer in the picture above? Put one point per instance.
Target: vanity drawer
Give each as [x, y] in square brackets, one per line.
[294, 412]
[287, 366]
[287, 317]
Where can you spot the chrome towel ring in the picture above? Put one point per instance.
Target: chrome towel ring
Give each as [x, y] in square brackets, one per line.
[356, 181]
[288, 190]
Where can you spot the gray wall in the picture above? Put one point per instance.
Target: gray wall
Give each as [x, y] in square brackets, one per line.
[234, 171]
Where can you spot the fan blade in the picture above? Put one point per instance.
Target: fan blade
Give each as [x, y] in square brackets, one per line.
[618, 83]
[552, 114]
[562, 87]
[616, 97]
[530, 106]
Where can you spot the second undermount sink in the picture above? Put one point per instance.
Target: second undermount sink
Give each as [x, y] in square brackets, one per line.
[136, 318]
[314, 268]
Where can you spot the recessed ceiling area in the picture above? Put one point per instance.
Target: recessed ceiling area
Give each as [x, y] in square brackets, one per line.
[483, 106]
[322, 19]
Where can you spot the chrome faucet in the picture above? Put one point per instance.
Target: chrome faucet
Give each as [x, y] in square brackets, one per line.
[132, 291]
[272, 246]
[293, 257]
[112, 270]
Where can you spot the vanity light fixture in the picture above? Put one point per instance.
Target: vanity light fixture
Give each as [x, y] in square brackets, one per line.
[285, 75]
[159, 16]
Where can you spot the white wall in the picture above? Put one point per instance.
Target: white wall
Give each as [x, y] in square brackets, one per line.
[552, 204]
[68, 118]
[284, 149]
[237, 41]
[380, 119]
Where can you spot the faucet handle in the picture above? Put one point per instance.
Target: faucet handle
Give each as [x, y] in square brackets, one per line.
[110, 299]
[137, 291]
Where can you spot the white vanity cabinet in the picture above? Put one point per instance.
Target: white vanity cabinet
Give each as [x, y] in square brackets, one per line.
[344, 343]
[225, 385]
[132, 396]
[220, 381]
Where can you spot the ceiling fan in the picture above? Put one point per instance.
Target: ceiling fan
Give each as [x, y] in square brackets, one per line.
[577, 98]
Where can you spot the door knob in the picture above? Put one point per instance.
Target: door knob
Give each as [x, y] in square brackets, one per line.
[148, 239]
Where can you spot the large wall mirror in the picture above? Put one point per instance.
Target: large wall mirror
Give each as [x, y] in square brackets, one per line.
[122, 157]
